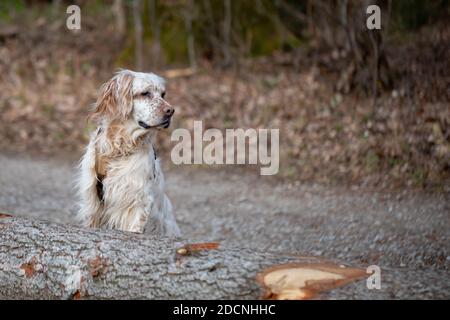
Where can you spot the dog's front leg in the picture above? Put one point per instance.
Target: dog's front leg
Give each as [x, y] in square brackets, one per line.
[171, 228]
[140, 221]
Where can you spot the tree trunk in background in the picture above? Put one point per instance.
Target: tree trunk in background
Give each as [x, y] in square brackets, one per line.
[226, 46]
[213, 35]
[56, 4]
[156, 35]
[119, 12]
[138, 35]
[43, 260]
[339, 27]
[188, 17]
[371, 68]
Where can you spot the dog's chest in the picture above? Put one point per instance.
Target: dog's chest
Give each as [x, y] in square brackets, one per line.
[138, 175]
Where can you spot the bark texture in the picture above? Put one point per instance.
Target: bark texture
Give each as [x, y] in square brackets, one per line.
[44, 260]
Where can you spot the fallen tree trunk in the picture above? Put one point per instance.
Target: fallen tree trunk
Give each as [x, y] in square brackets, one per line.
[44, 260]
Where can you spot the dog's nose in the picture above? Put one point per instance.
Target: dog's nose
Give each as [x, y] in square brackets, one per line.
[168, 111]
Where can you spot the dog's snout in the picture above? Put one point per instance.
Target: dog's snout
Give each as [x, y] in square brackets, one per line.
[168, 110]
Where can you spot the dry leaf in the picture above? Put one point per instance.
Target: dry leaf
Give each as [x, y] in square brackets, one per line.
[5, 215]
[195, 247]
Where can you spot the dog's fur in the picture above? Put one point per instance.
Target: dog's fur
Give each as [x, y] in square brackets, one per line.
[120, 183]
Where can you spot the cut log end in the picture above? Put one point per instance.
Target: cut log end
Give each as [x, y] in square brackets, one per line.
[304, 281]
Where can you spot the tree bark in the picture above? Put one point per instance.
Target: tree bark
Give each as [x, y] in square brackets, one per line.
[44, 260]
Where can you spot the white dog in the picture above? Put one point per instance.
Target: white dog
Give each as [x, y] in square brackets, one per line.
[121, 185]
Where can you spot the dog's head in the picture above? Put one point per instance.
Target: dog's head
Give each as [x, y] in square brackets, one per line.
[135, 98]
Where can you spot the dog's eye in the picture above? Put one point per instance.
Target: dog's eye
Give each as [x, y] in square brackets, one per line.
[163, 94]
[146, 94]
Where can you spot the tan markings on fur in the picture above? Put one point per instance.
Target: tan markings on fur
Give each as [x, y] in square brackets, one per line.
[121, 156]
[119, 144]
[115, 98]
[101, 163]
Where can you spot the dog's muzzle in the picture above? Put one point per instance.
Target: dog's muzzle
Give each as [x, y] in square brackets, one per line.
[164, 124]
[167, 112]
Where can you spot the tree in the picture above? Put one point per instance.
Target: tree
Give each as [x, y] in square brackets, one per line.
[138, 34]
[43, 260]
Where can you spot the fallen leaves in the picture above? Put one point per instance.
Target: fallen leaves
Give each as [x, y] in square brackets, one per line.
[325, 136]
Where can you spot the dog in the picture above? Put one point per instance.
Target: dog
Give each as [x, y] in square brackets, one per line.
[120, 183]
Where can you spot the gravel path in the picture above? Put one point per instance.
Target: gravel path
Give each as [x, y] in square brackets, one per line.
[406, 233]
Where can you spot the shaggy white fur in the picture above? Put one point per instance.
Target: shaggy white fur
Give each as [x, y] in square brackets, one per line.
[120, 183]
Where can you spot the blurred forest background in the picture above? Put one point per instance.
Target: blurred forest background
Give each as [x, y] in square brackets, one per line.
[353, 106]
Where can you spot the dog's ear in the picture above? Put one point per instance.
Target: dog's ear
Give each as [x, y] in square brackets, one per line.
[116, 98]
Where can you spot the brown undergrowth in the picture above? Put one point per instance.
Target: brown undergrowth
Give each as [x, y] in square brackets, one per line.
[49, 79]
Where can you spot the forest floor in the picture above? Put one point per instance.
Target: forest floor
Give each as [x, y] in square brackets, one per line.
[404, 232]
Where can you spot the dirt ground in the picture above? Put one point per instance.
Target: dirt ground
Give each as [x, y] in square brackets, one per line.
[406, 233]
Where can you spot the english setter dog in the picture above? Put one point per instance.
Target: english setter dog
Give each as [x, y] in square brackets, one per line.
[120, 184]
